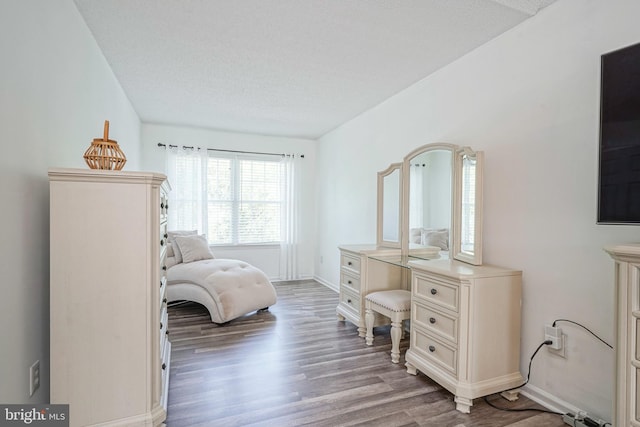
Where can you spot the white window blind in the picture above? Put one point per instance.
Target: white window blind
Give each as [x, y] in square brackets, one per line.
[232, 198]
[244, 200]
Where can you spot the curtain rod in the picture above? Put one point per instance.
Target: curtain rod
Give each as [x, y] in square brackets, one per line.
[160, 144]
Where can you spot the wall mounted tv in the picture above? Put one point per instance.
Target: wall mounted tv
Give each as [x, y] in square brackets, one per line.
[619, 169]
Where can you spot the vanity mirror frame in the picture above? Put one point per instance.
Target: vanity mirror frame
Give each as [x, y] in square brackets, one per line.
[473, 256]
[383, 178]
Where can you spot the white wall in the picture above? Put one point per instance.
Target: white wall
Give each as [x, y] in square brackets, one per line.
[57, 90]
[267, 258]
[530, 100]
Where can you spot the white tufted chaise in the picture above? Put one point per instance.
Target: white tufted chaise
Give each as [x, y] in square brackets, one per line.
[228, 288]
[394, 304]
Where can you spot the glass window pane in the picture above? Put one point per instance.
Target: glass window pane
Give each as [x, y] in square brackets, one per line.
[259, 223]
[220, 222]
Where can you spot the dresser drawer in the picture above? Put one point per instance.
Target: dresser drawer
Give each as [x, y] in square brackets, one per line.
[350, 300]
[435, 322]
[164, 205]
[164, 322]
[163, 293]
[350, 263]
[434, 350]
[350, 281]
[164, 237]
[438, 292]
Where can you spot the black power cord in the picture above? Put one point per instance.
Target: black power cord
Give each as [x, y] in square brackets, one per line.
[583, 327]
[547, 342]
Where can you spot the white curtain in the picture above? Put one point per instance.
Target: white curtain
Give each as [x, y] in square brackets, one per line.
[289, 245]
[186, 172]
[416, 195]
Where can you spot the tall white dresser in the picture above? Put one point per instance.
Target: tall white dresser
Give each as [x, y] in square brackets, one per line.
[626, 401]
[109, 342]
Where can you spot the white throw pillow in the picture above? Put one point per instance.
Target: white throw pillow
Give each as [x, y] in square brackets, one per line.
[439, 238]
[172, 239]
[193, 248]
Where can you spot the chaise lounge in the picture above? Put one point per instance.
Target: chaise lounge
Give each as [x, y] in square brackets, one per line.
[228, 288]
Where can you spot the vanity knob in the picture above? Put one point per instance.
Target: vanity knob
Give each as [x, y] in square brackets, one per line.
[161, 283]
[349, 301]
[434, 291]
[432, 348]
[164, 366]
[349, 263]
[432, 320]
[161, 242]
[164, 301]
[349, 282]
[167, 332]
[162, 205]
[164, 267]
[166, 235]
[160, 325]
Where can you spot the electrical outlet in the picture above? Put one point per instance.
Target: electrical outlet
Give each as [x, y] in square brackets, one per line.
[34, 377]
[563, 348]
[554, 335]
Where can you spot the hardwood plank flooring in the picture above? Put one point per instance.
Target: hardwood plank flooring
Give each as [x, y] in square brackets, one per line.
[297, 365]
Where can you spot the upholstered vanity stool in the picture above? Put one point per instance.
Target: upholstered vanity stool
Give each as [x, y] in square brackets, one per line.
[394, 304]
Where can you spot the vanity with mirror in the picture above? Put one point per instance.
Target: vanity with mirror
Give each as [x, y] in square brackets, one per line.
[465, 316]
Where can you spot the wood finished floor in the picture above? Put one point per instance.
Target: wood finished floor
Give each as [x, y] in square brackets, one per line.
[297, 365]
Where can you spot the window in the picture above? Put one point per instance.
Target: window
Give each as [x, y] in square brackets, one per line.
[244, 200]
[234, 199]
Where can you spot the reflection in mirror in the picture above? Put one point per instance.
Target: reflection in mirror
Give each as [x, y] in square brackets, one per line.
[389, 206]
[429, 180]
[468, 213]
[468, 207]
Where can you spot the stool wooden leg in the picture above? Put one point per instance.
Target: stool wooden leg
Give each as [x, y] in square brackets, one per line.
[396, 334]
[368, 321]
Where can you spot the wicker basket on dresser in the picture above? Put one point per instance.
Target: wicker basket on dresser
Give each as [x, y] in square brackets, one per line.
[110, 350]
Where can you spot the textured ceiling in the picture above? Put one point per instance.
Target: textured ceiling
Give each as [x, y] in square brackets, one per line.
[284, 67]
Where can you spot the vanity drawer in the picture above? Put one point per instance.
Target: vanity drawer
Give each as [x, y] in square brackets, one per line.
[435, 322]
[351, 300]
[350, 281]
[434, 350]
[350, 262]
[438, 292]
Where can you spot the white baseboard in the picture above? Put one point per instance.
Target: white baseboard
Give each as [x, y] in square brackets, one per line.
[548, 400]
[327, 284]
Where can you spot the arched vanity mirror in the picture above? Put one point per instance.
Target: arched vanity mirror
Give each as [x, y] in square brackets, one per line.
[442, 212]
[390, 206]
[428, 178]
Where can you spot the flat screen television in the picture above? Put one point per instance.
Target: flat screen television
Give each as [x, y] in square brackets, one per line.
[619, 168]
